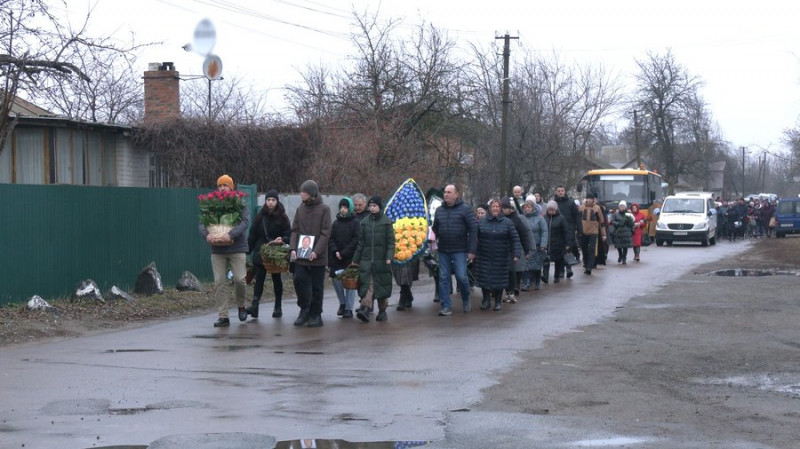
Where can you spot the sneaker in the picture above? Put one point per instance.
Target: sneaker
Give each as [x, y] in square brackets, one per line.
[587, 271]
[381, 316]
[569, 273]
[510, 298]
[363, 314]
[467, 306]
[222, 322]
[526, 288]
[436, 299]
[347, 314]
[445, 311]
[242, 314]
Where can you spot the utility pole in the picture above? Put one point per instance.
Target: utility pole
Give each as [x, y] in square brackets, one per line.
[636, 139]
[743, 191]
[506, 103]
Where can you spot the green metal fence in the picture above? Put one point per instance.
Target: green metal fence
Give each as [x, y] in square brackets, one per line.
[54, 236]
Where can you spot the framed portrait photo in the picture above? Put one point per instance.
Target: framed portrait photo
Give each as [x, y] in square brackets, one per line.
[305, 245]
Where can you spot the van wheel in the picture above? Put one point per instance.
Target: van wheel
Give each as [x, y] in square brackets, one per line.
[659, 242]
[704, 242]
[779, 235]
[669, 242]
[713, 240]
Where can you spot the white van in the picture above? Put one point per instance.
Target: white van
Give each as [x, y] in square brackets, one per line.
[687, 217]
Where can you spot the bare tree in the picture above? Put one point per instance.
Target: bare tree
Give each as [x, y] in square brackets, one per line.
[668, 96]
[231, 101]
[39, 51]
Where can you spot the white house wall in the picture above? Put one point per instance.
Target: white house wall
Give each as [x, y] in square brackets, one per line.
[133, 169]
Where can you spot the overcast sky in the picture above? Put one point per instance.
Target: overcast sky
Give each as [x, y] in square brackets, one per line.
[747, 53]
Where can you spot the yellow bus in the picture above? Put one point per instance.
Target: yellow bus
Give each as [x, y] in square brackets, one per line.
[610, 186]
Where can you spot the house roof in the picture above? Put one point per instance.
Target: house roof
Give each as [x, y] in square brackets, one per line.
[27, 113]
[24, 108]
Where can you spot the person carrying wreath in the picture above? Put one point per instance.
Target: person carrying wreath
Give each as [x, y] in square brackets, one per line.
[271, 225]
[342, 246]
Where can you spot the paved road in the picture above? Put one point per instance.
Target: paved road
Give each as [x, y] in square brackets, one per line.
[410, 378]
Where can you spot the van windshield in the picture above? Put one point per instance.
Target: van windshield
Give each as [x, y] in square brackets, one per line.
[684, 205]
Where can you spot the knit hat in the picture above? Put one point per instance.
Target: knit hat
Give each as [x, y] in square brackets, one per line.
[310, 187]
[622, 204]
[376, 200]
[552, 205]
[272, 193]
[344, 203]
[590, 196]
[531, 198]
[505, 203]
[225, 180]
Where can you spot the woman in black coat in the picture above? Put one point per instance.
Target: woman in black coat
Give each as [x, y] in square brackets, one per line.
[497, 238]
[341, 247]
[270, 225]
[557, 242]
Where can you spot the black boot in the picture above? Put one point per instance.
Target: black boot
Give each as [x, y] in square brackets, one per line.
[315, 321]
[381, 315]
[253, 310]
[487, 301]
[341, 310]
[302, 318]
[276, 311]
[545, 272]
[242, 314]
[537, 279]
[498, 304]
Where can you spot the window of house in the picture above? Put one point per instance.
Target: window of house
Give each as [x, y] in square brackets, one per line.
[63, 157]
[109, 160]
[30, 151]
[158, 177]
[95, 159]
[79, 158]
[5, 163]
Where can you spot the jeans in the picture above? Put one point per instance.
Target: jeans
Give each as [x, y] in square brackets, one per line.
[450, 263]
[346, 296]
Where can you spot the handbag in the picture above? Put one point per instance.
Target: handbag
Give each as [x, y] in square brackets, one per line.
[569, 259]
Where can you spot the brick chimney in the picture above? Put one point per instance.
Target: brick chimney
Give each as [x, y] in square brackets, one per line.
[161, 92]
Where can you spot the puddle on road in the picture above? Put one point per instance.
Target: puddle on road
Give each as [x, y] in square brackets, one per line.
[319, 444]
[787, 384]
[738, 272]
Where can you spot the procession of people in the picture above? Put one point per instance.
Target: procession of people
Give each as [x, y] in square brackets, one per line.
[504, 246]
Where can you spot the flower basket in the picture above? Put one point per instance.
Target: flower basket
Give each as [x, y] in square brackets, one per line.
[220, 211]
[275, 257]
[349, 278]
[220, 230]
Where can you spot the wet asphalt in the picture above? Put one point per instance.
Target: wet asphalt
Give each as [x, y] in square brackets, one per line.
[414, 377]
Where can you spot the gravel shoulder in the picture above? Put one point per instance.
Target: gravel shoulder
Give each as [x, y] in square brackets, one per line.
[705, 361]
